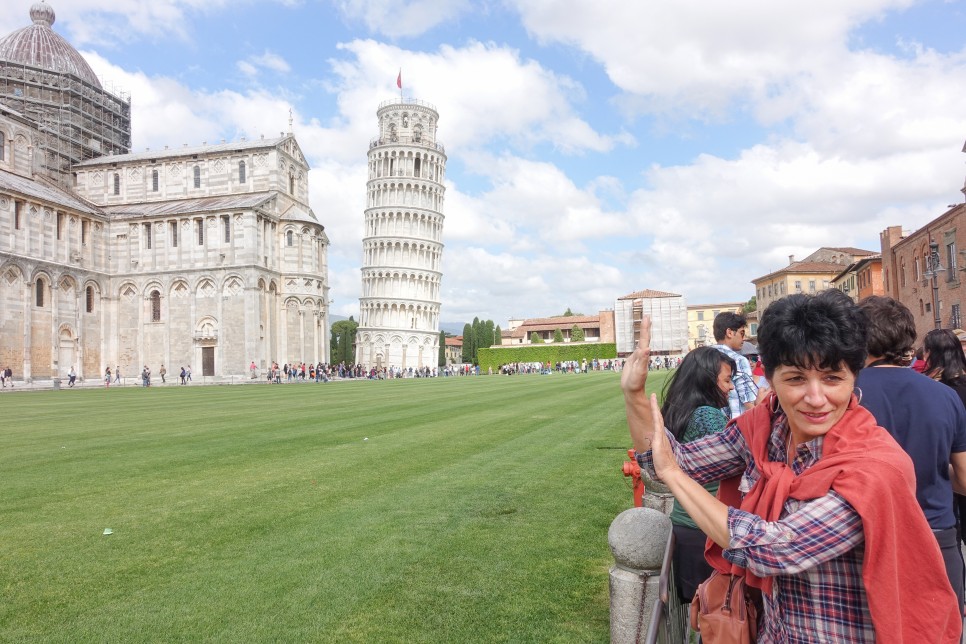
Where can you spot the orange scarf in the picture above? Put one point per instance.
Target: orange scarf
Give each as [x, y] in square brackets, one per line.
[903, 568]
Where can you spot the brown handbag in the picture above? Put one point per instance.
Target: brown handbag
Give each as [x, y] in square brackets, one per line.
[723, 611]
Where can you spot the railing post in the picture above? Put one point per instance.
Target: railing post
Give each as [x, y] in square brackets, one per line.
[658, 496]
[638, 538]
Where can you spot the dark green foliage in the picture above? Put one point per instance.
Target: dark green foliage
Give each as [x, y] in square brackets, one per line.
[442, 349]
[467, 344]
[750, 305]
[343, 341]
[535, 338]
[557, 335]
[495, 357]
[576, 334]
[497, 336]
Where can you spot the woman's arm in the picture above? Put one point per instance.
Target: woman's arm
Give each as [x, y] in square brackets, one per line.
[817, 531]
[633, 379]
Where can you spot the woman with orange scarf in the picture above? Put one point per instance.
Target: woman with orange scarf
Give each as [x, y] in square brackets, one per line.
[817, 504]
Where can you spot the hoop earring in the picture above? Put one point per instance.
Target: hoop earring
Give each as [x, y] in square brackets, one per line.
[773, 405]
[858, 395]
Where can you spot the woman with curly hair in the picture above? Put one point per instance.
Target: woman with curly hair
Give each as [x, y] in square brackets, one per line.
[817, 503]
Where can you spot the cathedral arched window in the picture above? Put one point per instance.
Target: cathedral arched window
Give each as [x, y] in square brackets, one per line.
[291, 183]
[197, 174]
[241, 172]
[90, 299]
[155, 306]
[117, 183]
[41, 286]
[154, 180]
[289, 238]
[3, 146]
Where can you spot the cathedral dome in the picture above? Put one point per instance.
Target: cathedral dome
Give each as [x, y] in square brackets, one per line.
[38, 45]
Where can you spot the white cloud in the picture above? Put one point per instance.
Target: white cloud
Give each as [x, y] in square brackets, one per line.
[700, 56]
[485, 94]
[401, 18]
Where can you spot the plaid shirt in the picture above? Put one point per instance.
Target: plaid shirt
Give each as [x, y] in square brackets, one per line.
[745, 391]
[814, 551]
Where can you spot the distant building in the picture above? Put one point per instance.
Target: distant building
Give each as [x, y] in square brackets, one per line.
[454, 350]
[669, 322]
[596, 328]
[810, 275]
[701, 318]
[861, 279]
[931, 286]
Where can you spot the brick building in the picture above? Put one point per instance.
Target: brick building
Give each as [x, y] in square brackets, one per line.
[935, 297]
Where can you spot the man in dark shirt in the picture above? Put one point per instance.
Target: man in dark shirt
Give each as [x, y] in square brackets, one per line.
[925, 417]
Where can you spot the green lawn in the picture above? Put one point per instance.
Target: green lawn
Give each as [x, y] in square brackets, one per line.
[477, 511]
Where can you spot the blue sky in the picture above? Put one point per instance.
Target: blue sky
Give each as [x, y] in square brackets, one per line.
[595, 148]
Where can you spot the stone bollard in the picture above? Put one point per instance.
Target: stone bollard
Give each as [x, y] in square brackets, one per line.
[637, 539]
[657, 496]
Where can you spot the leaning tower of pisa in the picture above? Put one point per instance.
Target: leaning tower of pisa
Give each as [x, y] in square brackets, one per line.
[402, 246]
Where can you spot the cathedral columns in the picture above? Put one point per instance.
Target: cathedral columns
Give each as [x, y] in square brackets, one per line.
[27, 324]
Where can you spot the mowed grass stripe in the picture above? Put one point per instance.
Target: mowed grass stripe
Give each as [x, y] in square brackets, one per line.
[476, 511]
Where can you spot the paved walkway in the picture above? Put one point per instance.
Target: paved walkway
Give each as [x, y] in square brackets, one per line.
[90, 383]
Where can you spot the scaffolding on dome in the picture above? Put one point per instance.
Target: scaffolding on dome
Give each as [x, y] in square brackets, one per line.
[78, 120]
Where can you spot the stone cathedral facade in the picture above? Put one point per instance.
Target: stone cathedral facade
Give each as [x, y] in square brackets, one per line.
[402, 244]
[208, 256]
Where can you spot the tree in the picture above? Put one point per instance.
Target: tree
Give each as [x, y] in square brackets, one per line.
[557, 335]
[535, 338]
[569, 314]
[467, 356]
[479, 337]
[576, 334]
[750, 305]
[488, 326]
[442, 349]
[343, 341]
[497, 336]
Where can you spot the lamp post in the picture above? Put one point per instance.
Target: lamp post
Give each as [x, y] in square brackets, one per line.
[933, 270]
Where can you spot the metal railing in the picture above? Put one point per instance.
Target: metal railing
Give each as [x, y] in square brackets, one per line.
[668, 617]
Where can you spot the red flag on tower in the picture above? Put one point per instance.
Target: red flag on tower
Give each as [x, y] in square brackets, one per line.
[399, 79]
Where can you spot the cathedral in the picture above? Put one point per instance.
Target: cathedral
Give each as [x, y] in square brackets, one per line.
[208, 256]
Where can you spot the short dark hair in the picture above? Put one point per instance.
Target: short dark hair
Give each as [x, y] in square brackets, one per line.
[725, 321]
[812, 331]
[892, 328]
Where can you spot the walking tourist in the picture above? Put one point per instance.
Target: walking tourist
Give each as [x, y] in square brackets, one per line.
[117, 375]
[71, 376]
[162, 371]
[817, 504]
[107, 377]
[183, 375]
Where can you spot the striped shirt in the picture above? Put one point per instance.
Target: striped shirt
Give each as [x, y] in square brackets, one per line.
[745, 391]
[814, 551]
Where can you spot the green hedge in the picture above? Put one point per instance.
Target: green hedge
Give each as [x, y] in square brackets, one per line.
[496, 357]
